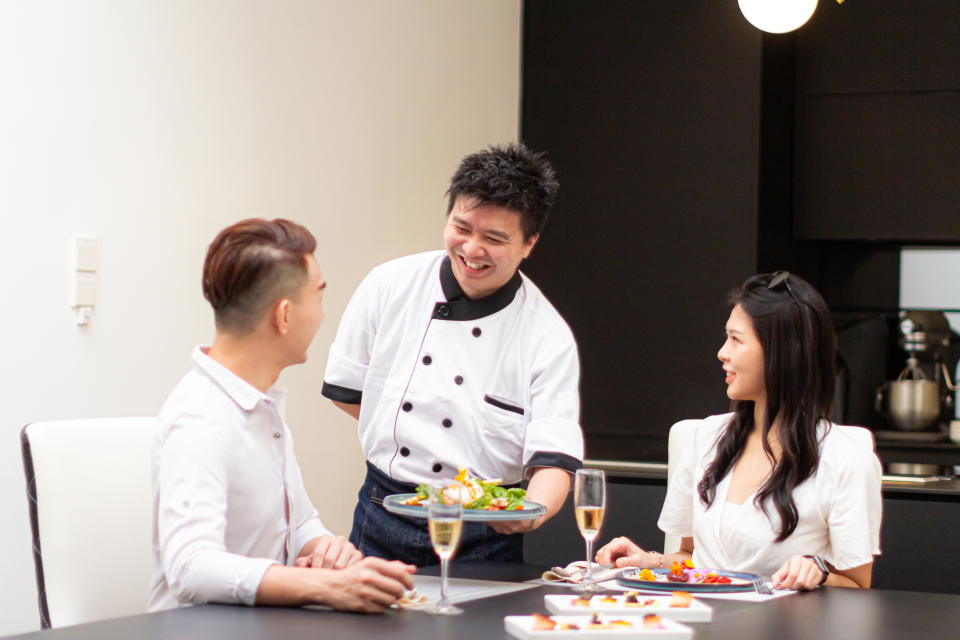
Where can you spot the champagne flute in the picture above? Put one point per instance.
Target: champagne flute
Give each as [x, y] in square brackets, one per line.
[445, 522]
[589, 501]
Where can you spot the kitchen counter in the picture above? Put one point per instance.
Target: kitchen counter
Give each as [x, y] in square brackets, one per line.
[943, 452]
[945, 487]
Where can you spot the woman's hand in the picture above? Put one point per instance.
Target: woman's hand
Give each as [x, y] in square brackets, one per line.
[622, 552]
[798, 573]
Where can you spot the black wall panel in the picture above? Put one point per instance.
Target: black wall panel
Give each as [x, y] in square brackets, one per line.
[650, 111]
[879, 166]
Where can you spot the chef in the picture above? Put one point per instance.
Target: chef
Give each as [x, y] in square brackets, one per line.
[454, 358]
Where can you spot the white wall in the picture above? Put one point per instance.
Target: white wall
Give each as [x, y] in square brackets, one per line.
[152, 124]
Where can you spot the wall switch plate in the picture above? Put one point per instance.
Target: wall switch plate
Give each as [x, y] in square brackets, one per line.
[83, 290]
[86, 253]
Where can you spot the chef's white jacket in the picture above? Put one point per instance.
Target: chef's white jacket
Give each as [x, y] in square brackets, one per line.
[444, 381]
[839, 509]
[222, 467]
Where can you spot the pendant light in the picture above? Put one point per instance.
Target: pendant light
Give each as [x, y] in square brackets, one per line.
[777, 16]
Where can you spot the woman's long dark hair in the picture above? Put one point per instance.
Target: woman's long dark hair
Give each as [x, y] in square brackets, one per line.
[796, 333]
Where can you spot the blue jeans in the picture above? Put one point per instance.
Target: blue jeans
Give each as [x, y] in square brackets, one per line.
[377, 532]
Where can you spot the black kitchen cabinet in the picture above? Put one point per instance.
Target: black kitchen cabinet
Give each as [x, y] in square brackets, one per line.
[877, 149]
[880, 46]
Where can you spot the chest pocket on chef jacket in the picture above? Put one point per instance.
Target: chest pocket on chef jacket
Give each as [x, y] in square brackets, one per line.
[503, 418]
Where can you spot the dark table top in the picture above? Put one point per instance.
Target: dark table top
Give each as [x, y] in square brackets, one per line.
[830, 612]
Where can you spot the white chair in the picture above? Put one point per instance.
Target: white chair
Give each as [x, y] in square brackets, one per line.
[681, 432]
[91, 504]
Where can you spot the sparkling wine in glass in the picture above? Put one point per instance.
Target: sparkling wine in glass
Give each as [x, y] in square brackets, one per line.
[589, 502]
[445, 521]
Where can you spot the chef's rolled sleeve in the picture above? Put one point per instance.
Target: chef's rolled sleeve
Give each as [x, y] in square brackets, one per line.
[341, 394]
[352, 347]
[553, 436]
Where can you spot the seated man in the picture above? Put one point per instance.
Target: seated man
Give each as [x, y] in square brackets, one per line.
[231, 515]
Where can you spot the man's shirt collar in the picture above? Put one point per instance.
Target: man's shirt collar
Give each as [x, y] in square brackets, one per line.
[239, 390]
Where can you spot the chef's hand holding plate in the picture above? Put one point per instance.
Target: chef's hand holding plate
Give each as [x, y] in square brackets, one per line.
[516, 526]
[549, 487]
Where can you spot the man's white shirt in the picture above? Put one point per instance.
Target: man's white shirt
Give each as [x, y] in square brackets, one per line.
[222, 468]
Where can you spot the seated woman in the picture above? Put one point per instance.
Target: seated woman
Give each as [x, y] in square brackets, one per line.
[773, 488]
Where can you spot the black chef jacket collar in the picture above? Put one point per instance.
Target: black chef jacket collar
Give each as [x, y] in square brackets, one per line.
[459, 307]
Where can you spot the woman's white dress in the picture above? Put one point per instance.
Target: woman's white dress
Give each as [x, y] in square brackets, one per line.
[839, 507]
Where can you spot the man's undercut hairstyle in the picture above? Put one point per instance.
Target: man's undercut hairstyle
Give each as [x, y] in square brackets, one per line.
[512, 177]
[252, 264]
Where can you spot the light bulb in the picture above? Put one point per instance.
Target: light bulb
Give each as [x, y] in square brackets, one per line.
[777, 16]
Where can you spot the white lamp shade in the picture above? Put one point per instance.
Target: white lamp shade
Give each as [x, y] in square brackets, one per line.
[777, 16]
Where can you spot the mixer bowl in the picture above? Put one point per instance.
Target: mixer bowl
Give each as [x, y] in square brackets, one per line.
[914, 405]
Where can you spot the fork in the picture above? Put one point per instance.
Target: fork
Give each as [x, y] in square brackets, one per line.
[760, 586]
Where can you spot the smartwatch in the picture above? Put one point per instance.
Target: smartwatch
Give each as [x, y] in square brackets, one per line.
[817, 560]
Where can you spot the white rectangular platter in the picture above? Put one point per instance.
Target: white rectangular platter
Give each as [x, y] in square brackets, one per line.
[660, 605]
[520, 627]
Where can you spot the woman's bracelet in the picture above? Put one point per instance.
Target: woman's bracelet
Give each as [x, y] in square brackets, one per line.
[661, 558]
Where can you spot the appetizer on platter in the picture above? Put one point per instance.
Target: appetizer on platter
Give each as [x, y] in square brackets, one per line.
[680, 605]
[595, 627]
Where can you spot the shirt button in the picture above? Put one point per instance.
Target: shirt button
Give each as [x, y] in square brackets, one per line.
[407, 406]
[404, 451]
[437, 468]
[443, 310]
[476, 332]
[458, 380]
[427, 360]
[447, 422]
[276, 434]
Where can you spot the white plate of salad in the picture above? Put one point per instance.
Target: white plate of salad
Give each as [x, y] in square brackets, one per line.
[483, 500]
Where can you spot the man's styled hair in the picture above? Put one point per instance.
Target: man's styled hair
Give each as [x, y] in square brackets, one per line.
[252, 264]
[512, 177]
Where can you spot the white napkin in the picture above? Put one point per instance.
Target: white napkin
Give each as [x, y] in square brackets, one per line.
[576, 571]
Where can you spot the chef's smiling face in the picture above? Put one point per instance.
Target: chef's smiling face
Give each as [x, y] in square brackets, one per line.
[486, 246]
[742, 358]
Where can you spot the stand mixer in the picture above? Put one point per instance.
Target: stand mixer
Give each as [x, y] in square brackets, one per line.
[919, 398]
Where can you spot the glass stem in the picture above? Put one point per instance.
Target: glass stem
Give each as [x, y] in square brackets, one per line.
[443, 582]
[589, 575]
